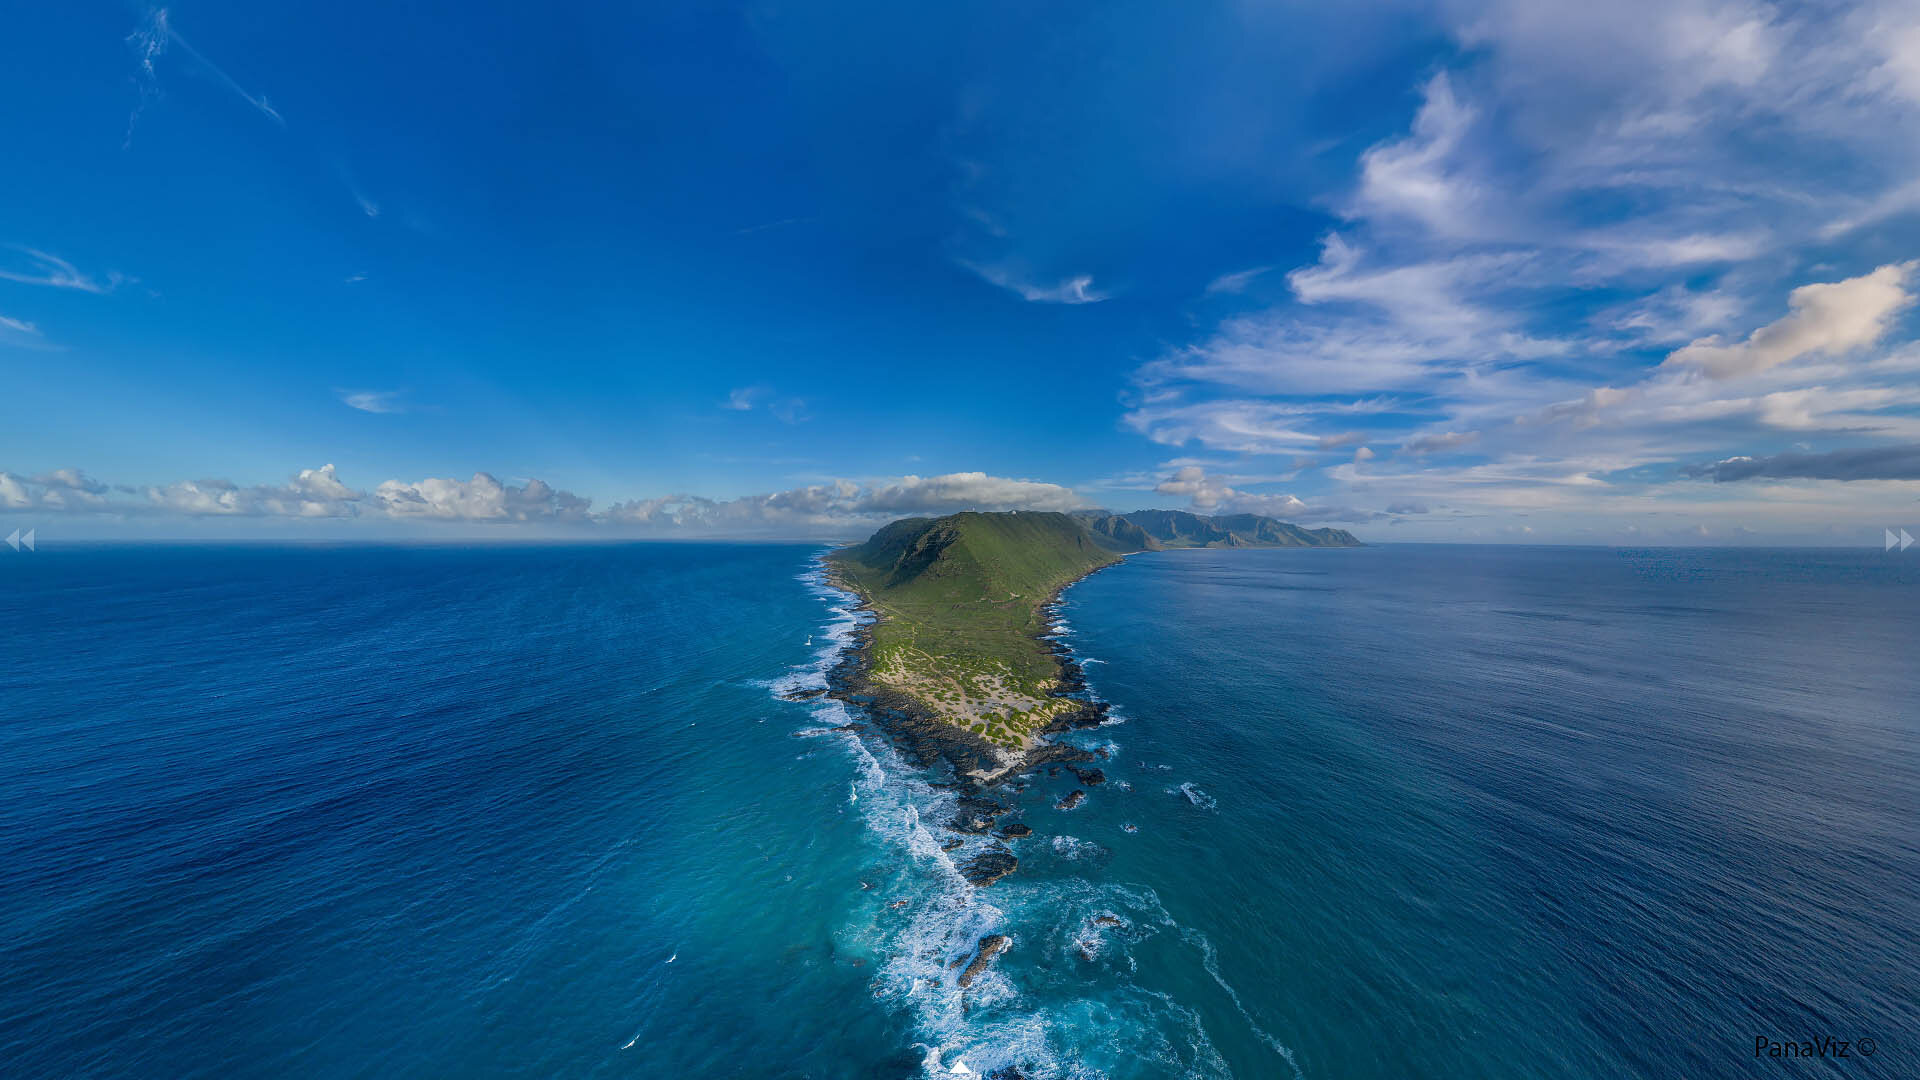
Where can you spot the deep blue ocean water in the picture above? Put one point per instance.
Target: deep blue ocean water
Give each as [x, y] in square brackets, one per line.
[1402, 811]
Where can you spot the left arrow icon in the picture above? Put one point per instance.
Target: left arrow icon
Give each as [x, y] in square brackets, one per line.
[13, 539]
[27, 540]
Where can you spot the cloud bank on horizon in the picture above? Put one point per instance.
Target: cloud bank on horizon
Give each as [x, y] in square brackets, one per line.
[1524, 269]
[826, 509]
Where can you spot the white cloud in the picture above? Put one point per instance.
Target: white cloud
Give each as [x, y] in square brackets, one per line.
[150, 42]
[1825, 319]
[1076, 289]
[1235, 282]
[1564, 266]
[836, 507]
[482, 498]
[1439, 441]
[966, 490]
[32, 266]
[842, 506]
[1418, 177]
[1211, 493]
[1196, 484]
[787, 410]
[373, 401]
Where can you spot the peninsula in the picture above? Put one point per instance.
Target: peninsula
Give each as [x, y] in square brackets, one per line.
[960, 605]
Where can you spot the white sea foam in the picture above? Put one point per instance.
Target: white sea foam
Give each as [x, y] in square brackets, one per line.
[994, 1024]
[1211, 961]
[1195, 796]
[1072, 847]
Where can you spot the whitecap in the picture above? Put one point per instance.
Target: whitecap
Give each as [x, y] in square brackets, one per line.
[1195, 796]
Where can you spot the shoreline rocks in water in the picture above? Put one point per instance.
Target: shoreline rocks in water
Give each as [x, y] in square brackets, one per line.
[1089, 777]
[1015, 831]
[991, 946]
[1072, 799]
[812, 733]
[924, 739]
[989, 866]
[976, 815]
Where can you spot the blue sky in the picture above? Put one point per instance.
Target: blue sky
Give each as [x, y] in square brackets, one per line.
[1531, 270]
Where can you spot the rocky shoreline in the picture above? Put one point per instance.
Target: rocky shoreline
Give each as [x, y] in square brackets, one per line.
[977, 767]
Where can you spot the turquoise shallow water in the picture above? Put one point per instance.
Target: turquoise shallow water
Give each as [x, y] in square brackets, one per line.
[1399, 811]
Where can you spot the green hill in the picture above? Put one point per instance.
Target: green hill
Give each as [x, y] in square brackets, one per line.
[959, 601]
[959, 598]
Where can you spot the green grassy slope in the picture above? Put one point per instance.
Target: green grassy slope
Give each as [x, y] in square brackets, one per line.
[959, 601]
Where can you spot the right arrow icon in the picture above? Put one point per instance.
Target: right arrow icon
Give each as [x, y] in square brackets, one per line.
[1905, 540]
[1902, 541]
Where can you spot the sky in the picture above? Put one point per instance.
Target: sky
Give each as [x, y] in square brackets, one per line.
[1523, 270]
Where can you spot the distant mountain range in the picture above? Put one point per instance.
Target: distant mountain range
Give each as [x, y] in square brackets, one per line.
[1152, 530]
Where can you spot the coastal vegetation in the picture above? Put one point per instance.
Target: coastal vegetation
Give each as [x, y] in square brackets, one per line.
[960, 602]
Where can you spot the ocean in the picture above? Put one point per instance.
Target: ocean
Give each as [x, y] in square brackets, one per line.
[1397, 811]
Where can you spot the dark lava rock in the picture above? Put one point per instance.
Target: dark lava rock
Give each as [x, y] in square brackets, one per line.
[1071, 800]
[1089, 777]
[990, 866]
[804, 695]
[971, 824]
[990, 946]
[1014, 832]
[982, 807]
[951, 844]
[1106, 920]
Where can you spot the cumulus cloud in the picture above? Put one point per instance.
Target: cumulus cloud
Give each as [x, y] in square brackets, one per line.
[835, 507]
[1826, 319]
[310, 493]
[844, 504]
[1194, 483]
[969, 490]
[482, 498]
[1210, 493]
[1866, 463]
